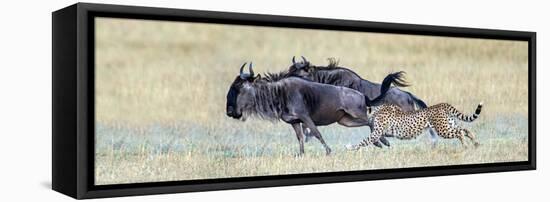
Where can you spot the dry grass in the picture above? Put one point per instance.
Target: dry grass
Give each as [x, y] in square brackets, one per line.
[161, 87]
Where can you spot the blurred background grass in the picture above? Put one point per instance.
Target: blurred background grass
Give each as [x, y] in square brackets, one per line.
[161, 87]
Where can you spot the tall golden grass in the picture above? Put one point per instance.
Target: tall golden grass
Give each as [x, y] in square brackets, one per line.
[161, 87]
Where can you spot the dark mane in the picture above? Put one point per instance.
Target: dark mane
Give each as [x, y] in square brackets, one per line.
[332, 64]
[335, 75]
[273, 77]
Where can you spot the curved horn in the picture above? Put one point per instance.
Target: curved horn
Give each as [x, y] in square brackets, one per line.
[303, 58]
[293, 60]
[250, 69]
[241, 71]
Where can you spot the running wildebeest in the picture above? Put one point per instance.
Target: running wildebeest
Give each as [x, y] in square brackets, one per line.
[342, 76]
[298, 101]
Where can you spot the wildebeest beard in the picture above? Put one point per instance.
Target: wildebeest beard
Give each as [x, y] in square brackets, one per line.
[268, 102]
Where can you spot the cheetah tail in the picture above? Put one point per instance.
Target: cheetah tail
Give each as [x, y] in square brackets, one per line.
[472, 117]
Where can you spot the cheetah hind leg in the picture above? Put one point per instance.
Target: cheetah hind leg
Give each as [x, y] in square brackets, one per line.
[471, 136]
[461, 138]
[456, 133]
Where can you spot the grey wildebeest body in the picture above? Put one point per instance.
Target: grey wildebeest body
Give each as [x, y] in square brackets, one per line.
[298, 101]
[341, 76]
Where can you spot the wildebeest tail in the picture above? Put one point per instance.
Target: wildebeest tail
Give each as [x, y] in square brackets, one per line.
[421, 104]
[395, 78]
[469, 118]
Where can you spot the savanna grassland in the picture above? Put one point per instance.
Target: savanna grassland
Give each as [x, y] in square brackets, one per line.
[161, 94]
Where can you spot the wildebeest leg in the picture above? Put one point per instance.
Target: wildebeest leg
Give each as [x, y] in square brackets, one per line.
[299, 135]
[294, 120]
[349, 121]
[309, 124]
[306, 132]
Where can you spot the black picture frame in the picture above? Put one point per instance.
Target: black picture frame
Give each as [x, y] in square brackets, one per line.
[73, 100]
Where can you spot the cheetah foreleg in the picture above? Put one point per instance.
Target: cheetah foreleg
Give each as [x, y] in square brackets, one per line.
[373, 139]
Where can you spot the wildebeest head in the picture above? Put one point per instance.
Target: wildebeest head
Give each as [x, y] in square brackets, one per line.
[301, 69]
[241, 93]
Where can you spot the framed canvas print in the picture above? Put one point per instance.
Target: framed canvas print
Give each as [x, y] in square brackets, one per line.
[155, 100]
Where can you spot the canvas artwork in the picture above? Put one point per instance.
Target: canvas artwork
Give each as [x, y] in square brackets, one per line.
[177, 101]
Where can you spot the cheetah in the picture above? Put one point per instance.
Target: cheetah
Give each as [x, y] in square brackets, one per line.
[391, 120]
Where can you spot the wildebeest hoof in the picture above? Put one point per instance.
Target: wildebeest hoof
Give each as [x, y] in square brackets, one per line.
[328, 151]
[298, 155]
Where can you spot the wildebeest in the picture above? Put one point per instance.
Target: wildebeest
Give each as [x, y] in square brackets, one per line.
[342, 76]
[296, 101]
